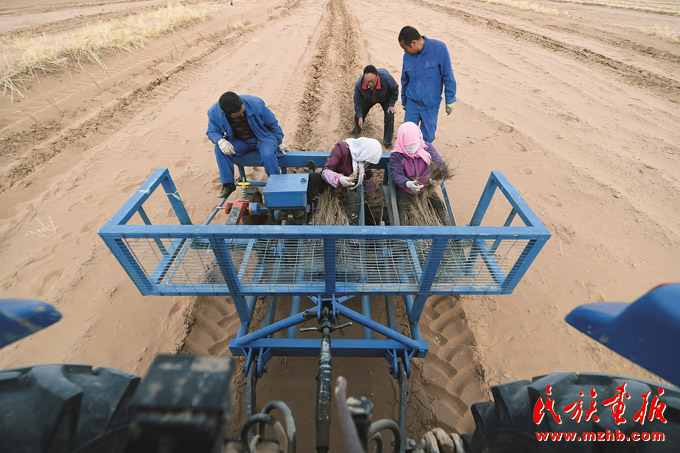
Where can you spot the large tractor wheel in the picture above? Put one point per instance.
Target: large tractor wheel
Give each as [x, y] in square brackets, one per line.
[60, 408]
[508, 423]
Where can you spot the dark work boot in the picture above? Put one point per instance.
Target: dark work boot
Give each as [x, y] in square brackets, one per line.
[227, 189]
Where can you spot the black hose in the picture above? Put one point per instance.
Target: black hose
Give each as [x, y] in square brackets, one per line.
[288, 418]
[262, 418]
[386, 423]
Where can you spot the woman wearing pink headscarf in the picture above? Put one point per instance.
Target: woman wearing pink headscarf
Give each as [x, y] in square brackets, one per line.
[409, 166]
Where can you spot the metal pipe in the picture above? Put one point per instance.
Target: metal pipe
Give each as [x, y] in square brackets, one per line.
[250, 305]
[294, 308]
[269, 330]
[389, 333]
[366, 310]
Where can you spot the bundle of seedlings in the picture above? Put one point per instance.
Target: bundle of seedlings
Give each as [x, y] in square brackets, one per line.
[421, 212]
[438, 172]
[332, 210]
[355, 175]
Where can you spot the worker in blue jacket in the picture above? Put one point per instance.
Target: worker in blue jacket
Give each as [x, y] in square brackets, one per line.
[425, 72]
[375, 86]
[238, 125]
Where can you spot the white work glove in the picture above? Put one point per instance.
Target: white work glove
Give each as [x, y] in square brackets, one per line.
[414, 186]
[346, 181]
[436, 182]
[283, 148]
[226, 147]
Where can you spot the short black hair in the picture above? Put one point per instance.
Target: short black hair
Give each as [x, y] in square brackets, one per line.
[230, 102]
[370, 69]
[409, 34]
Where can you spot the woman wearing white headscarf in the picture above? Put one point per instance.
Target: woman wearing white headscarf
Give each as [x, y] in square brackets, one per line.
[347, 167]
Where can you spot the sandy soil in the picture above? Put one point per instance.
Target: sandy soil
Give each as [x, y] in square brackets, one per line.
[579, 110]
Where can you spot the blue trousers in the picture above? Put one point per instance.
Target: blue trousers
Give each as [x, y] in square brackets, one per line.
[426, 118]
[267, 149]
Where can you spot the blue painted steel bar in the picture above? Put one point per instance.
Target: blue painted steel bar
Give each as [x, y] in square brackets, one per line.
[415, 330]
[515, 199]
[169, 258]
[393, 202]
[250, 304]
[269, 330]
[322, 232]
[130, 265]
[294, 308]
[229, 273]
[271, 310]
[215, 211]
[507, 223]
[364, 321]
[131, 207]
[212, 290]
[389, 310]
[175, 200]
[329, 265]
[521, 266]
[340, 347]
[146, 221]
[246, 258]
[484, 201]
[431, 265]
[366, 311]
[452, 217]
[490, 262]
[262, 359]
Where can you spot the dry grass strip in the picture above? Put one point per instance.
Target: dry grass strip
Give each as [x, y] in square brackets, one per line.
[24, 57]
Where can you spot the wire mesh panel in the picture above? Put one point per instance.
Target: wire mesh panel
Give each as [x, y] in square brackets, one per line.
[316, 266]
[260, 260]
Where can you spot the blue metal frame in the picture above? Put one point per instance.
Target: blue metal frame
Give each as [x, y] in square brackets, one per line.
[245, 263]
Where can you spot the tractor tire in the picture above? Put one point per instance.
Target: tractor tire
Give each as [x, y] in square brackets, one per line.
[507, 423]
[62, 407]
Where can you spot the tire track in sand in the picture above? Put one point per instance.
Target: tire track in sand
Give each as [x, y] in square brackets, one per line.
[446, 383]
[327, 103]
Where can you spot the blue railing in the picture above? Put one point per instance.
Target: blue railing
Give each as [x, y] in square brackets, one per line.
[330, 263]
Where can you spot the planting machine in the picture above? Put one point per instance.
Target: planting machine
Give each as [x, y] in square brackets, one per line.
[263, 252]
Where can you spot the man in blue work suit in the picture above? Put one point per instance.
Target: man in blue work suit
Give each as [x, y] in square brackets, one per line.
[238, 125]
[426, 70]
[375, 86]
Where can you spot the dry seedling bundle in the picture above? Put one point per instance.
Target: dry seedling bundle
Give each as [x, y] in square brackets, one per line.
[332, 210]
[421, 212]
[438, 172]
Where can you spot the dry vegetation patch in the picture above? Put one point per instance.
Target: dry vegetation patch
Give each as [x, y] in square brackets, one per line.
[24, 57]
[524, 6]
[648, 6]
[663, 33]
